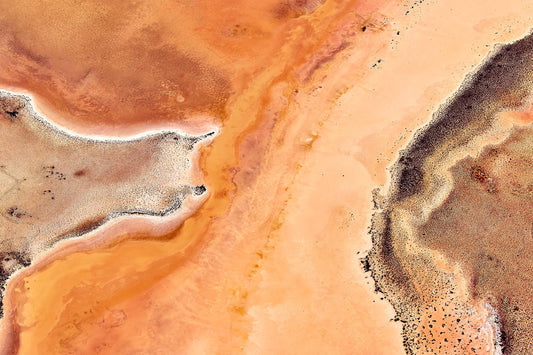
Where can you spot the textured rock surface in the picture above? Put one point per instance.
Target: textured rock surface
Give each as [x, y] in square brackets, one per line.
[454, 230]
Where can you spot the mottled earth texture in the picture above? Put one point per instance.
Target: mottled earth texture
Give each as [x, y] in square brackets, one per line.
[314, 103]
[55, 185]
[453, 237]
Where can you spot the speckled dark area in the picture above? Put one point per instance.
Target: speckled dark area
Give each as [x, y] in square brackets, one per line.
[55, 185]
[497, 85]
[483, 225]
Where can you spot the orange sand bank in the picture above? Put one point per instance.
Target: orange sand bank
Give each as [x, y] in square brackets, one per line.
[313, 103]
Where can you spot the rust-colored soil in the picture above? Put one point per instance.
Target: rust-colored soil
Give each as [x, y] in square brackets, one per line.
[311, 101]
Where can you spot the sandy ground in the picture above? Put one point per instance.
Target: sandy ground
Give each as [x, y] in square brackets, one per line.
[317, 110]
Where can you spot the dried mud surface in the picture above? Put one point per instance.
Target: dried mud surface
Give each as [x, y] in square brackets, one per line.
[455, 228]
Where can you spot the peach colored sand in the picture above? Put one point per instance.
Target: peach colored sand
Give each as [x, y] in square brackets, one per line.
[312, 110]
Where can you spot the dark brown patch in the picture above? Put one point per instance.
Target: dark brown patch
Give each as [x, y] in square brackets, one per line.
[16, 212]
[479, 174]
[294, 8]
[84, 227]
[10, 109]
[81, 172]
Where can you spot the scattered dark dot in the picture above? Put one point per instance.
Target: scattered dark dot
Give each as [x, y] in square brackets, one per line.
[198, 190]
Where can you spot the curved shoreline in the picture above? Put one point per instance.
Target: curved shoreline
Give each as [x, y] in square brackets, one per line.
[464, 124]
[116, 226]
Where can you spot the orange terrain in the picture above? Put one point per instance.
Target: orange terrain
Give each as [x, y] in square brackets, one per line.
[312, 100]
